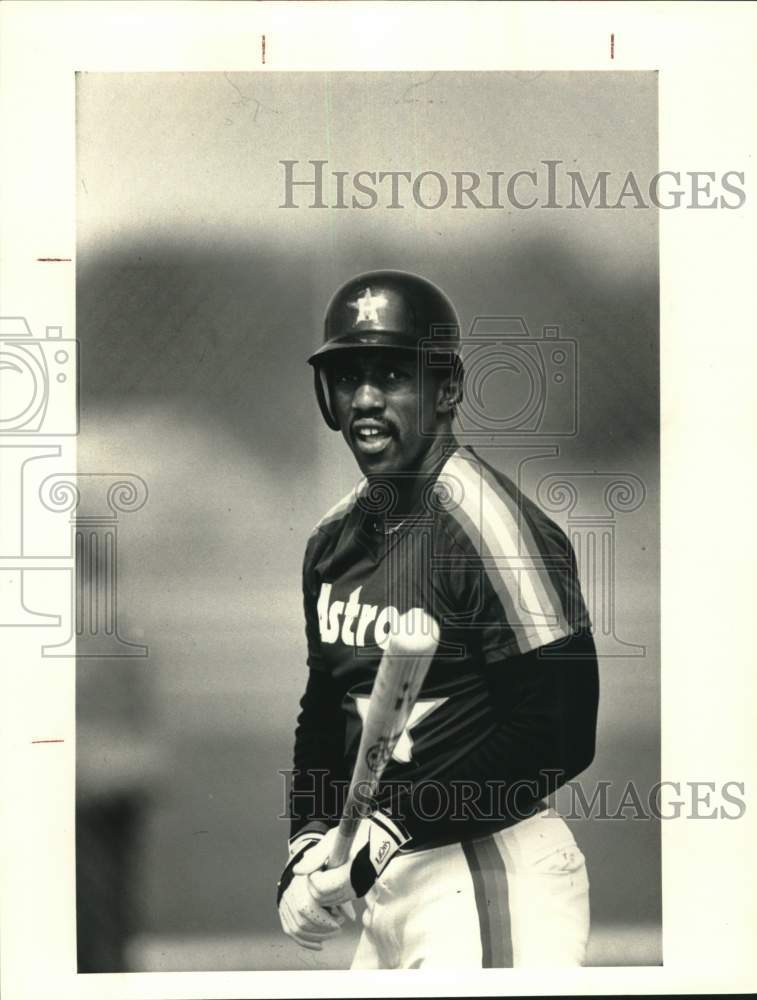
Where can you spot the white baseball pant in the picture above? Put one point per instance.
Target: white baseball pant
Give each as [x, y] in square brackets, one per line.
[518, 897]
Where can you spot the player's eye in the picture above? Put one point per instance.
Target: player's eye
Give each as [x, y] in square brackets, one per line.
[389, 377]
[394, 376]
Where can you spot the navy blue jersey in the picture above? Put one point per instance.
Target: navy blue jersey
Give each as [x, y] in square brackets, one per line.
[494, 571]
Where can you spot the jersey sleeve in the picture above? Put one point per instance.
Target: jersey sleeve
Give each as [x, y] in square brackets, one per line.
[512, 592]
[310, 607]
[317, 775]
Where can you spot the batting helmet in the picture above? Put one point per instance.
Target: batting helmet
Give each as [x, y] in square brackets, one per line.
[385, 309]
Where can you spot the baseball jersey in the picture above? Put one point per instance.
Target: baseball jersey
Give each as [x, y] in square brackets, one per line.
[493, 570]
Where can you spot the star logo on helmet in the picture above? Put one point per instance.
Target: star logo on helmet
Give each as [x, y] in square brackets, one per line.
[367, 306]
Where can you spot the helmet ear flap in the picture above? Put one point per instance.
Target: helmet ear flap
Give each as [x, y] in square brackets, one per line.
[323, 395]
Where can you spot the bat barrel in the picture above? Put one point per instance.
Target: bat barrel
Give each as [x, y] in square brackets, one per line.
[417, 634]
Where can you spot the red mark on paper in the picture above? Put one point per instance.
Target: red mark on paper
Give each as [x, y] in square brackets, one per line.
[51, 260]
[48, 741]
[262, 47]
[612, 45]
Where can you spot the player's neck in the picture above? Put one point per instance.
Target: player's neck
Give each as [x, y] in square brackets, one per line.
[408, 485]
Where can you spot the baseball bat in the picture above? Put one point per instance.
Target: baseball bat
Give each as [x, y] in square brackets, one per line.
[399, 677]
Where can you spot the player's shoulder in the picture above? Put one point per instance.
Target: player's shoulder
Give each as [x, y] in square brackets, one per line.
[482, 504]
[331, 523]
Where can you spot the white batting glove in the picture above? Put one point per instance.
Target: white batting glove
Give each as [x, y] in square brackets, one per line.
[302, 918]
[379, 838]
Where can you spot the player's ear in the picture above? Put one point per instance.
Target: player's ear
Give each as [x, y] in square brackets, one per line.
[451, 389]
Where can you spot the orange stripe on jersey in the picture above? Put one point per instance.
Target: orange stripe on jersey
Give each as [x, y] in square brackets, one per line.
[503, 540]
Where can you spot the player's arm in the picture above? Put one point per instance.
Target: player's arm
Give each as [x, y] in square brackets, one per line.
[318, 758]
[546, 706]
[313, 808]
[547, 702]
[314, 803]
[319, 734]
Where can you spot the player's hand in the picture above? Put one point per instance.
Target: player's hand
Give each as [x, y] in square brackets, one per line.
[302, 918]
[381, 839]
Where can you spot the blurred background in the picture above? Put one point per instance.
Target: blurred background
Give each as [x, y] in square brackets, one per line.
[198, 300]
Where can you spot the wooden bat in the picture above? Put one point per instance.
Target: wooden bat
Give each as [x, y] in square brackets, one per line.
[400, 675]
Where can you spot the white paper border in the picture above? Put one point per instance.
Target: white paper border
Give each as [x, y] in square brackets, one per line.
[705, 55]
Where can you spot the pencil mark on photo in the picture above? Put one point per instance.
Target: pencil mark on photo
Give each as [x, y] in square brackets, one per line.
[529, 77]
[245, 101]
[405, 99]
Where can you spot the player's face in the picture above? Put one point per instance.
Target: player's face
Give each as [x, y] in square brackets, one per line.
[387, 409]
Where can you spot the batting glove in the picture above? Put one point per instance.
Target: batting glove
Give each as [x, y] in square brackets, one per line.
[301, 917]
[378, 841]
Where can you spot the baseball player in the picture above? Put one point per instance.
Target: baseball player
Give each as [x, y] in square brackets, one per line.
[461, 861]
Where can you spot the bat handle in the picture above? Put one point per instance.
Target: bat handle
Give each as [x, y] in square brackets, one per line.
[344, 837]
